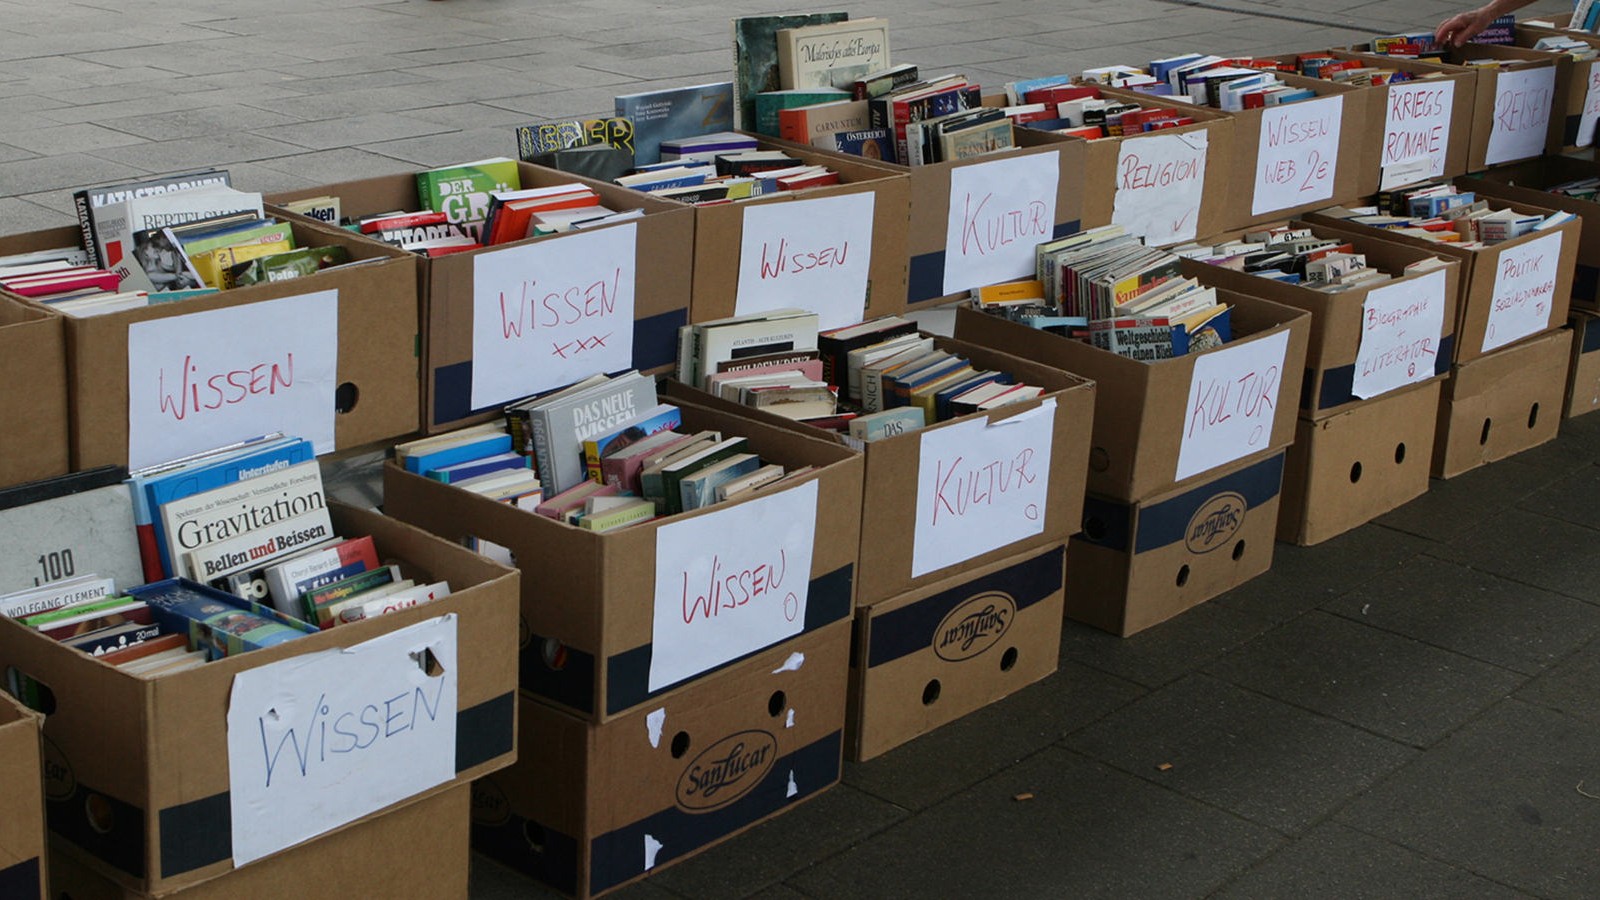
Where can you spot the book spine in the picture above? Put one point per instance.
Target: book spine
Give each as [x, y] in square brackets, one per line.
[543, 457]
[85, 211]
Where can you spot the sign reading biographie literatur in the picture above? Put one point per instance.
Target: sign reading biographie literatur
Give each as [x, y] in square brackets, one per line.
[981, 486]
[211, 378]
[1000, 210]
[1591, 108]
[731, 582]
[551, 313]
[1401, 325]
[1233, 398]
[1521, 117]
[1160, 182]
[813, 254]
[320, 740]
[1416, 131]
[1524, 289]
[1297, 155]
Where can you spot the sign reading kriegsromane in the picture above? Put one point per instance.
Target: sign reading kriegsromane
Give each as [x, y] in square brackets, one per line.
[211, 378]
[551, 313]
[731, 581]
[319, 740]
[981, 486]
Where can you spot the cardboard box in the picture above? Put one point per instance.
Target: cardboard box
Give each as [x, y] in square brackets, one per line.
[22, 858]
[1509, 292]
[368, 859]
[1429, 117]
[33, 355]
[1176, 420]
[1502, 404]
[1299, 156]
[139, 772]
[588, 808]
[806, 242]
[1348, 469]
[662, 267]
[376, 375]
[1574, 80]
[905, 484]
[1112, 163]
[976, 221]
[1338, 320]
[933, 655]
[594, 638]
[1139, 564]
[1527, 183]
[1583, 376]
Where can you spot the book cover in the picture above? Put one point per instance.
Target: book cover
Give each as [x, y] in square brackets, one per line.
[832, 55]
[67, 527]
[549, 137]
[91, 204]
[287, 580]
[224, 513]
[562, 425]
[462, 192]
[117, 226]
[212, 563]
[868, 143]
[699, 488]
[661, 417]
[675, 113]
[755, 57]
[474, 468]
[809, 124]
[223, 624]
[769, 105]
[55, 595]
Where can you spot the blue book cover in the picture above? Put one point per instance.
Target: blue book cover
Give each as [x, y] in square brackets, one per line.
[165, 488]
[873, 143]
[661, 417]
[489, 445]
[1215, 332]
[675, 113]
[485, 466]
[897, 390]
[941, 399]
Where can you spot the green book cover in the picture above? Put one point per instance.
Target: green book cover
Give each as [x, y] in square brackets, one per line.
[768, 103]
[755, 57]
[462, 192]
[672, 476]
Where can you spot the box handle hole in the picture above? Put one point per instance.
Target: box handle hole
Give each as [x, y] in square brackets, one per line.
[1238, 550]
[1533, 415]
[1008, 659]
[1399, 453]
[1099, 459]
[345, 397]
[680, 744]
[930, 694]
[1355, 471]
[776, 704]
[1094, 528]
[1484, 437]
[1183, 575]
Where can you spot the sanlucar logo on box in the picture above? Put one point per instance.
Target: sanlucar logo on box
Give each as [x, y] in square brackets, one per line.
[490, 805]
[1215, 522]
[727, 770]
[974, 626]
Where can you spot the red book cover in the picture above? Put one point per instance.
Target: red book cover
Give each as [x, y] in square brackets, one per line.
[799, 182]
[1061, 93]
[405, 220]
[37, 287]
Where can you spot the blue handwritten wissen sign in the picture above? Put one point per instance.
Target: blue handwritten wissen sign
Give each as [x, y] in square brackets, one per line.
[320, 740]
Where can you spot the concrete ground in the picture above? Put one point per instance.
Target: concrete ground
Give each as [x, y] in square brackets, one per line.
[1407, 710]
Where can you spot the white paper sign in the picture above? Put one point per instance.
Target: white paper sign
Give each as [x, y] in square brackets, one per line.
[1591, 109]
[1416, 126]
[981, 486]
[1521, 114]
[211, 378]
[1524, 288]
[1233, 397]
[1000, 210]
[1401, 326]
[814, 254]
[1297, 155]
[551, 313]
[1160, 183]
[731, 582]
[319, 740]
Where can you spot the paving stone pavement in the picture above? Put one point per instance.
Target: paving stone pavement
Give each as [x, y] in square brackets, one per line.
[1407, 710]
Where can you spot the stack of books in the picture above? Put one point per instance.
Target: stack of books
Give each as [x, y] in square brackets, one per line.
[1297, 256]
[599, 148]
[719, 168]
[1440, 212]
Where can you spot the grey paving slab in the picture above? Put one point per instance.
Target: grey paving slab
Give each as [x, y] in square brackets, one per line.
[1574, 498]
[1302, 578]
[332, 166]
[1448, 605]
[359, 129]
[70, 170]
[451, 147]
[1088, 831]
[199, 152]
[1501, 798]
[1335, 862]
[1388, 684]
[947, 760]
[1569, 686]
[836, 819]
[19, 215]
[70, 138]
[1467, 504]
[468, 116]
[1533, 549]
[1164, 652]
[1262, 759]
[192, 123]
[492, 881]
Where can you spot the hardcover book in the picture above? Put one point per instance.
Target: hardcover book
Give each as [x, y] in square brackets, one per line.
[69, 526]
[462, 192]
[227, 512]
[675, 113]
[833, 55]
[91, 204]
[562, 425]
[755, 57]
[116, 228]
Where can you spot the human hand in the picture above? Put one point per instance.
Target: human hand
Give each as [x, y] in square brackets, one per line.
[1463, 27]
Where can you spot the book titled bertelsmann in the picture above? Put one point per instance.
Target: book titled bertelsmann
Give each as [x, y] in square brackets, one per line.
[227, 512]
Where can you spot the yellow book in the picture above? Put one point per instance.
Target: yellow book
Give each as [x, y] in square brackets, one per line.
[1031, 290]
[923, 396]
[213, 266]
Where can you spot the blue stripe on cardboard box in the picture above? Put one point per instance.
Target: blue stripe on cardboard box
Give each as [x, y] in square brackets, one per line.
[925, 274]
[1106, 523]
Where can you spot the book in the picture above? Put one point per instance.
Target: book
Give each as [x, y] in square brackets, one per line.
[156, 211]
[661, 417]
[473, 468]
[224, 513]
[675, 113]
[835, 345]
[222, 624]
[770, 105]
[601, 162]
[71, 525]
[544, 138]
[212, 563]
[622, 468]
[670, 496]
[55, 595]
[737, 337]
[447, 449]
[99, 207]
[832, 55]
[811, 124]
[760, 477]
[562, 424]
[116, 638]
[162, 643]
[318, 606]
[288, 580]
[462, 191]
[636, 509]
[887, 423]
[698, 488]
[755, 57]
